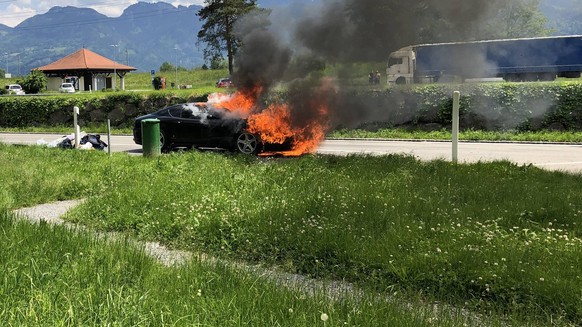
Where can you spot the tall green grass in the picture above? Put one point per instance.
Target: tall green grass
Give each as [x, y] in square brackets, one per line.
[197, 78]
[467, 135]
[52, 276]
[495, 237]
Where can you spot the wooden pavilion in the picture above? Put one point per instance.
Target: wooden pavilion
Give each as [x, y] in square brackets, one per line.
[87, 70]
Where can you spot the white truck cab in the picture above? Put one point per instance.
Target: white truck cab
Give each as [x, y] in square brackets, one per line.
[401, 65]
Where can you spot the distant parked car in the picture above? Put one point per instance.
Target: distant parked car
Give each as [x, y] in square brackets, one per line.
[67, 88]
[224, 82]
[15, 89]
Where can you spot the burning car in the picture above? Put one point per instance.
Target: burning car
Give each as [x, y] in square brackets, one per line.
[201, 125]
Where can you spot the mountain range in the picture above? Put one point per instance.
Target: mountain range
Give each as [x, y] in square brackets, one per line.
[148, 34]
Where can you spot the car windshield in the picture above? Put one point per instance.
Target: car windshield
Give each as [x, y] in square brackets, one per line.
[67, 85]
[15, 87]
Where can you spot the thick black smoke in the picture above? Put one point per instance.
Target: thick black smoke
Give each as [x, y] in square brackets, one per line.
[289, 45]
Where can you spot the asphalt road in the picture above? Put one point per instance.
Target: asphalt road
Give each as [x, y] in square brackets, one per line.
[564, 157]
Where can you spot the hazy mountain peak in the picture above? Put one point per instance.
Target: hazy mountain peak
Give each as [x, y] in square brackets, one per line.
[146, 7]
[57, 15]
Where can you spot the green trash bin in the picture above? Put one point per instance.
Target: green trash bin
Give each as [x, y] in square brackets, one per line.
[150, 137]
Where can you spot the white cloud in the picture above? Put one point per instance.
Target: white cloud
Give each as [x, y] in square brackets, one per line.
[177, 3]
[112, 10]
[16, 13]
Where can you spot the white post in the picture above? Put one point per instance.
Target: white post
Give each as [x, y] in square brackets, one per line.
[456, 107]
[76, 125]
[109, 137]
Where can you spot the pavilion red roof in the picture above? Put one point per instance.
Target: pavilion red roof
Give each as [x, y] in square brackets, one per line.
[84, 60]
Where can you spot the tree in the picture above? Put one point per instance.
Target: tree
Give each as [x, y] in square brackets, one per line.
[34, 82]
[519, 18]
[167, 67]
[217, 32]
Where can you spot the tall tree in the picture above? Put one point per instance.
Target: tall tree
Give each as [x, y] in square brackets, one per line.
[217, 32]
[519, 18]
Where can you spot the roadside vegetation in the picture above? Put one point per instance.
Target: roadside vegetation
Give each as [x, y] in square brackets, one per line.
[498, 111]
[469, 135]
[494, 238]
[53, 276]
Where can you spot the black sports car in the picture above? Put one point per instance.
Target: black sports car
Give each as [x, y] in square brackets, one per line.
[200, 125]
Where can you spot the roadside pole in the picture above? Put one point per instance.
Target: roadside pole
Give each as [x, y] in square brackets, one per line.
[75, 122]
[109, 137]
[456, 107]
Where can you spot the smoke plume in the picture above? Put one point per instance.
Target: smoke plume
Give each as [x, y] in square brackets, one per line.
[289, 45]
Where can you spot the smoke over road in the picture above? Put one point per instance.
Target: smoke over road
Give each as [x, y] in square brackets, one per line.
[289, 44]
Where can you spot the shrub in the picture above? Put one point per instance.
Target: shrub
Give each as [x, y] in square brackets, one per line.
[495, 107]
[121, 107]
[34, 82]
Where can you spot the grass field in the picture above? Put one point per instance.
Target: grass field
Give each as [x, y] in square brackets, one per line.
[52, 276]
[495, 238]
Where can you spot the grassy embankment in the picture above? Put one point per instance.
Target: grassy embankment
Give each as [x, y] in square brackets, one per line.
[52, 276]
[492, 237]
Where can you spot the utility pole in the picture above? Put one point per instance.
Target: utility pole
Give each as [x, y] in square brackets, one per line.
[114, 66]
[6, 59]
[176, 66]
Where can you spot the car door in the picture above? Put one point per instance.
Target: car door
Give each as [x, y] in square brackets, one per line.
[169, 118]
[189, 128]
[221, 129]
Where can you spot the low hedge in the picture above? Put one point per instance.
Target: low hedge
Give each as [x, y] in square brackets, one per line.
[485, 106]
[56, 110]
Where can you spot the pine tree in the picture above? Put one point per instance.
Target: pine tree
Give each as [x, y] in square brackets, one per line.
[217, 32]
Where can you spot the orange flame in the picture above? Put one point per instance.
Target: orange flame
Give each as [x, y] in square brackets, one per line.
[275, 125]
[241, 102]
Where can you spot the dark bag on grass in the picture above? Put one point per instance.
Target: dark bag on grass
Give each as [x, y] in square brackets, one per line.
[95, 140]
[65, 144]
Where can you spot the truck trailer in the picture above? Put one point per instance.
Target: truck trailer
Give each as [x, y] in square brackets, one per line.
[531, 59]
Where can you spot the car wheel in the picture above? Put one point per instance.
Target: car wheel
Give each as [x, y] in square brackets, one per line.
[247, 143]
[164, 144]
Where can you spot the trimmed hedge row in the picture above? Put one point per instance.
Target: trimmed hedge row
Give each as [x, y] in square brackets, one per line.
[120, 108]
[484, 106]
[495, 106]
[505, 106]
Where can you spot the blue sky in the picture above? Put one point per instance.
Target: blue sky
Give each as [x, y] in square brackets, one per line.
[12, 12]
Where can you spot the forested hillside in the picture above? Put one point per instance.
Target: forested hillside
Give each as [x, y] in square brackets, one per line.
[565, 16]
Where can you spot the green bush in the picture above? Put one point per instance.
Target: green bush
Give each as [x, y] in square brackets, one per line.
[34, 82]
[496, 106]
[120, 107]
[489, 107]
